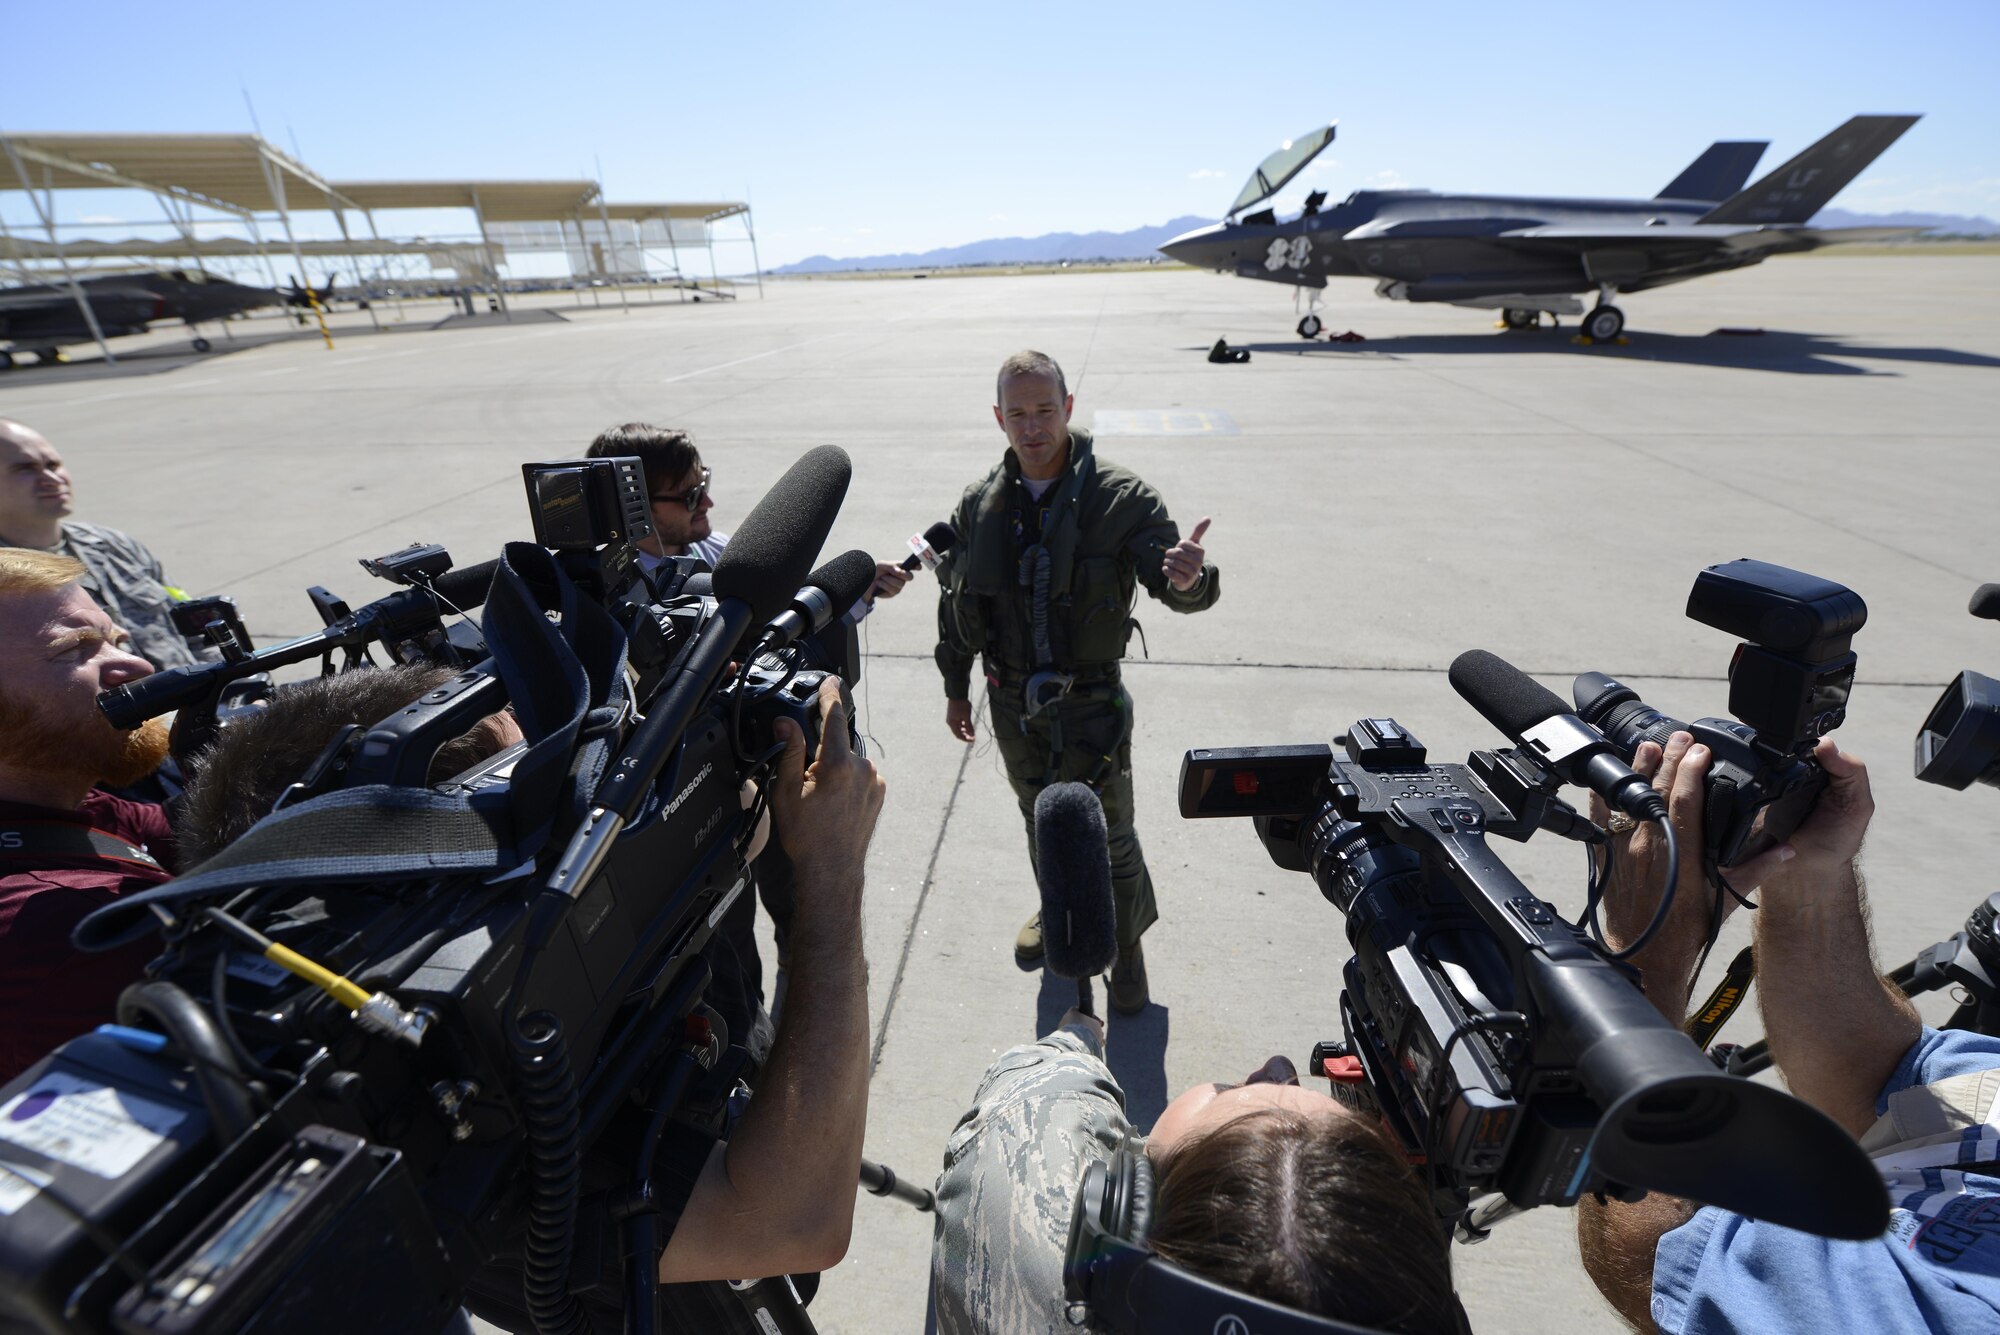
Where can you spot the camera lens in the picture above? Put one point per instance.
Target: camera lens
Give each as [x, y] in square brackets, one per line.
[1616, 710]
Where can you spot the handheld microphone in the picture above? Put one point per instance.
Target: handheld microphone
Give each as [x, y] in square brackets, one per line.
[1535, 717]
[1985, 601]
[1073, 872]
[828, 592]
[938, 539]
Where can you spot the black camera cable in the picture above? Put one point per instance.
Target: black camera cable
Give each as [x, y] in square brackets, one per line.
[1666, 904]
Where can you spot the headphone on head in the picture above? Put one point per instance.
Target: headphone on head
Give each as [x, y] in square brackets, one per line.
[1116, 1284]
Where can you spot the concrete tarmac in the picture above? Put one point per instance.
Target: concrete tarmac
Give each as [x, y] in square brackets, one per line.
[1381, 506]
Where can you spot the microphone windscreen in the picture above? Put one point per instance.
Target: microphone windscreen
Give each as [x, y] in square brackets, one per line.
[1073, 867]
[943, 537]
[1505, 696]
[844, 579]
[771, 553]
[466, 587]
[1985, 603]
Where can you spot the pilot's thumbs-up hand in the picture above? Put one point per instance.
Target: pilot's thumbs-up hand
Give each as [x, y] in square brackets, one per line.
[1185, 558]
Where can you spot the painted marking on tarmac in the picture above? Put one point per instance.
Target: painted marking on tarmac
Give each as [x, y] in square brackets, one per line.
[755, 357]
[1164, 422]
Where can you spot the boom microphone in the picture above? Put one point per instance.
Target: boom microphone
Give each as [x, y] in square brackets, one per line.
[772, 551]
[1073, 871]
[1535, 717]
[938, 539]
[829, 591]
[465, 588]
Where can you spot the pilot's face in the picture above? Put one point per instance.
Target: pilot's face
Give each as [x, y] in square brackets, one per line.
[1034, 412]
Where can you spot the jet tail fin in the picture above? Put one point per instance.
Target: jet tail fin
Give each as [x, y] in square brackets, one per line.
[1799, 189]
[1718, 173]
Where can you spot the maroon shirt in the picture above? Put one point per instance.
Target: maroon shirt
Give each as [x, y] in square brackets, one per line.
[49, 990]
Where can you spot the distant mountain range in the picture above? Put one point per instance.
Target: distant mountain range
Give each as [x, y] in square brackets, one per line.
[1142, 243]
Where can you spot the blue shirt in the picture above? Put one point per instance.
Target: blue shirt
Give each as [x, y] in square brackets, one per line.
[1937, 1267]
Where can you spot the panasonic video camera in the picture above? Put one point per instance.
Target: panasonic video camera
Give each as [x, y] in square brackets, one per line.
[409, 1049]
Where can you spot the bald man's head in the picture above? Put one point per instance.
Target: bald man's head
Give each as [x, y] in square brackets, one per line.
[34, 485]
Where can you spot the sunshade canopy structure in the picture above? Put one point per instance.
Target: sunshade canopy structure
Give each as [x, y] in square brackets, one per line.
[236, 173]
[495, 201]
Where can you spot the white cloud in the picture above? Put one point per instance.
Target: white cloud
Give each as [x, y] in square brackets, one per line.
[1205, 174]
[1388, 179]
[1319, 165]
[996, 217]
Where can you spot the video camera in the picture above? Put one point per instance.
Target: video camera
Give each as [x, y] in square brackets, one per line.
[1510, 1053]
[410, 1049]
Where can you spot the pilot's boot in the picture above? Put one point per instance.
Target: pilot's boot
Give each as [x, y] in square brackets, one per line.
[1128, 982]
[1028, 945]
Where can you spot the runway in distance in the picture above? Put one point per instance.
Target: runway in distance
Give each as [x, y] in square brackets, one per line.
[44, 317]
[1525, 255]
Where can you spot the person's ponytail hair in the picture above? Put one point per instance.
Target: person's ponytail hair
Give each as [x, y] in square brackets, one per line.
[1316, 1213]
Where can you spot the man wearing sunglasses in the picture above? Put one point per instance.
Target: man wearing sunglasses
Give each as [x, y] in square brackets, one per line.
[679, 484]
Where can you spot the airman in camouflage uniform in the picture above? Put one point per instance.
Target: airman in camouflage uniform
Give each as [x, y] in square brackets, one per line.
[1045, 1112]
[122, 576]
[1054, 543]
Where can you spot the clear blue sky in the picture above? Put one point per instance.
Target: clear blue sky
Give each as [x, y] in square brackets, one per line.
[858, 129]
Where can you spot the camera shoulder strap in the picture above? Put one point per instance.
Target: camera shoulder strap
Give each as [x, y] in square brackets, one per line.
[370, 834]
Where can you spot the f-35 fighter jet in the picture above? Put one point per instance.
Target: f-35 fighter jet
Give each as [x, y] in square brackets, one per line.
[1526, 255]
[44, 317]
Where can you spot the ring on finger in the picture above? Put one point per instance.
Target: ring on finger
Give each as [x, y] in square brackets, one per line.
[1620, 823]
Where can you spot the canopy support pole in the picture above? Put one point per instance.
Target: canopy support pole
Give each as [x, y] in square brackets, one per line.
[47, 215]
[492, 263]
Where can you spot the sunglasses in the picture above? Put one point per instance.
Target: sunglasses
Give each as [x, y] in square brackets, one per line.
[691, 498]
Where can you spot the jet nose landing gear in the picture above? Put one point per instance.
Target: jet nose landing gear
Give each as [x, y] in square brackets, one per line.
[1310, 327]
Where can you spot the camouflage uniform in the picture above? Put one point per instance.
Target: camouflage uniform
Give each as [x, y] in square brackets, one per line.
[1045, 1112]
[1103, 533]
[128, 583]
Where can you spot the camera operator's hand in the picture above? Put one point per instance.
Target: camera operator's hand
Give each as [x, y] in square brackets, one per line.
[1815, 859]
[958, 718]
[778, 1196]
[1638, 876]
[825, 811]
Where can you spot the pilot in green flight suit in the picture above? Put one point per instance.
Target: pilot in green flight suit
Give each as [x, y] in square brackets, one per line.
[1040, 587]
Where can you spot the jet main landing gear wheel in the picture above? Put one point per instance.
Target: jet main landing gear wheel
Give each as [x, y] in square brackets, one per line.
[1519, 319]
[202, 345]
[6, 360]
[1603, 324]
[1310, 327]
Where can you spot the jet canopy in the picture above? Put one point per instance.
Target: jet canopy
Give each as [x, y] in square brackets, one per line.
[1273, 172]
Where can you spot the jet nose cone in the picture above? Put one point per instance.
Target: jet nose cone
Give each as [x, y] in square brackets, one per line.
[1209, 247]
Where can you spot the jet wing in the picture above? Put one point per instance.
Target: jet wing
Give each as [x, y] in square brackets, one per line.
[1680, 236]
[1274, 172]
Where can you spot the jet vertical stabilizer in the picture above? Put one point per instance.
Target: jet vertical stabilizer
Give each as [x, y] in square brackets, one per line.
[1801, 188]
[1718, 173]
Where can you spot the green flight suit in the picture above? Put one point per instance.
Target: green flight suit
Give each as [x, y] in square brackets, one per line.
[1086, 545]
